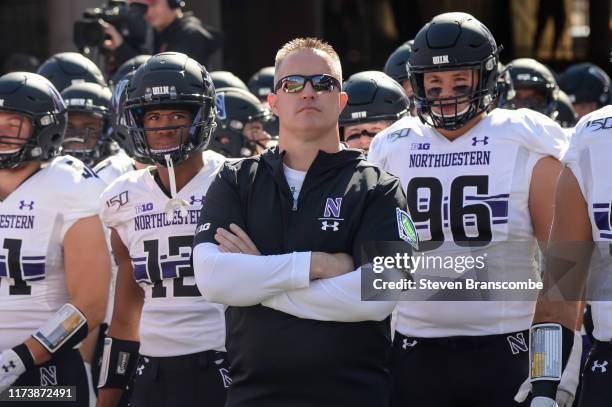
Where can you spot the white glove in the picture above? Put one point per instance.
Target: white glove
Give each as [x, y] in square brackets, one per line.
[11, 367]
[567, 386]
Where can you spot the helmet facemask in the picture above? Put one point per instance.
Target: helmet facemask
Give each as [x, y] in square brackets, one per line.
[86, 143]
[477, 99]
[189, 139]
[542, 99]
[14, 143]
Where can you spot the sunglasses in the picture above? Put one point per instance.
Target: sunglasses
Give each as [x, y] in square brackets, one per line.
[296, 83]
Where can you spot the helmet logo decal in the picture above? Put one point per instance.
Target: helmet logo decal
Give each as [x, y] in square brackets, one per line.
[221, 112]
[440, 59]
[359, 115]
[1, 102]
[79, 102]
[161, 90]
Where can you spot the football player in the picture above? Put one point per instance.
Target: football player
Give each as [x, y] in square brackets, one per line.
[535, 87]
[128, 66]
[226, 79]
[261, 85]
[240, 124]
[582, 216]
[476, 179]
[567, 116]
[588, 87]
[159, 311]
[126, 159]
[375, 101]
[395, 67]
[69, 68]
[87, 136]
[54, 264]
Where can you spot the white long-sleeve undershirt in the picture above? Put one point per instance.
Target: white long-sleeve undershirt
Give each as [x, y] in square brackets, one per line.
[282, 282]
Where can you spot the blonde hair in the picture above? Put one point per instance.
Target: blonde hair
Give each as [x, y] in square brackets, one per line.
[314, 44]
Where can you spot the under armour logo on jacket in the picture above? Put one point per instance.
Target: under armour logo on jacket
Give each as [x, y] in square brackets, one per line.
[326, 225]
[406, 344]
[484, 141]
[601, 366]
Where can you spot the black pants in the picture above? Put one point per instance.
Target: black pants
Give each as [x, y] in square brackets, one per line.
[597, 377]
[200, 379]
[66, 369]
[480, 371]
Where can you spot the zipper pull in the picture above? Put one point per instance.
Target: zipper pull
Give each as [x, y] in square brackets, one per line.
[294, 199]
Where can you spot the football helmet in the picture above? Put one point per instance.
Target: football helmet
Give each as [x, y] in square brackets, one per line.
[235, 108]
[586, 83]
[68, 68]
[566, 115]
[128, 66]
[226, 79]
[171, 79]
[449, 42]
[395, 66]
[94, 100]
[527, 73]
[262, 83]
[373, 96]
[34, 97]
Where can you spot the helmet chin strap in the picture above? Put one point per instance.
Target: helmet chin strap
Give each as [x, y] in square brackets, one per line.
[176, 202]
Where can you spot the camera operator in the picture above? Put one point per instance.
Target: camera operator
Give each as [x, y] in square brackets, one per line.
[174, 30]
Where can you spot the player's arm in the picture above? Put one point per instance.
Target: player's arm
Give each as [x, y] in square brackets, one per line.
[555, 320]
[123, 334]
[571, 225]
[87, 269]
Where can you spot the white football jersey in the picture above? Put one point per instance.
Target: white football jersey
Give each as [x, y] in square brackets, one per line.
[175, 319]
[33, 221]
[114, 166]
[473, 188]
[589, 159]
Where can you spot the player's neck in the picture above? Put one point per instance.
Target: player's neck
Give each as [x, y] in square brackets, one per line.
[453, 134]
[301, 151]
[183, 173]
[10, 179]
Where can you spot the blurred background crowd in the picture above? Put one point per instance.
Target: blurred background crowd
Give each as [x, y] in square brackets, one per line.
[556, 53]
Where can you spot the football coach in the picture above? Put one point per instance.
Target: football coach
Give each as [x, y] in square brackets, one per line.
[279, 242]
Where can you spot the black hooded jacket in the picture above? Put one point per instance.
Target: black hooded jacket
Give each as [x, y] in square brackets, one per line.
[278, 359]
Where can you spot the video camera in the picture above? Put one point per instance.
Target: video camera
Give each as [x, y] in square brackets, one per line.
[128, 19]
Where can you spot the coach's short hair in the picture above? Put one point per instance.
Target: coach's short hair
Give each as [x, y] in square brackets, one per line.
[314, 44]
